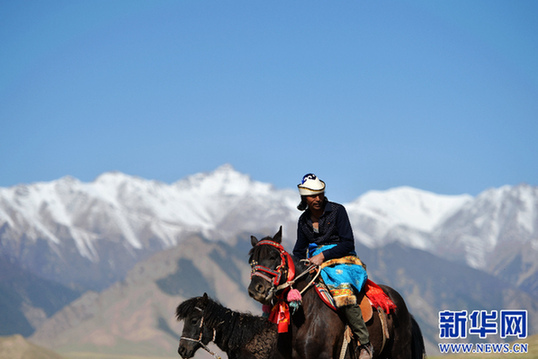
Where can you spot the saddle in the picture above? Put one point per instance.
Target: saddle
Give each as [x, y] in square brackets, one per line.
[366, 306]
[372, 296]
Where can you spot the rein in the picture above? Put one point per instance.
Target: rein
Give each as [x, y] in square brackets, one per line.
[305, 272]
[199, 340]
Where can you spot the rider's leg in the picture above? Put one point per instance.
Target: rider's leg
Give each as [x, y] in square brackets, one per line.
[358, 327]
[354, 318]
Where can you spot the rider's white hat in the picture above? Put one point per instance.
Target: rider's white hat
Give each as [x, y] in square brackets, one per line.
[311, 185]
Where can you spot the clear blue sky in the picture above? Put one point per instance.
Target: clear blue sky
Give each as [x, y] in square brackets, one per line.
[437, 95]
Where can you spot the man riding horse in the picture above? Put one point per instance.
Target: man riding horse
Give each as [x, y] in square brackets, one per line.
[325, 237]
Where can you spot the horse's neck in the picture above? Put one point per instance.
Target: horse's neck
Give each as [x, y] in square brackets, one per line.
[222, 329]
[304, 280]
[310, 298]
[234, 324]
[216, 314]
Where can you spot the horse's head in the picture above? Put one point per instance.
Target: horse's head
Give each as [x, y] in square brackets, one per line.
[195, 334]
[270, 265]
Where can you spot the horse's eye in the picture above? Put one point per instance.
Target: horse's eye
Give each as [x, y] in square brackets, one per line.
[194, 321]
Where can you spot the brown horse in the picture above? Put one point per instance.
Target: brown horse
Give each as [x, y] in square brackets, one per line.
[239, 335]
[317, 331]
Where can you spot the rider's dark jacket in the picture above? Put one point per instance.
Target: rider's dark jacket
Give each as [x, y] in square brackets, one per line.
[334, 228]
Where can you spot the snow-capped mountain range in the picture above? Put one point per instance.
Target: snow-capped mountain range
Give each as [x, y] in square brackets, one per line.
[58, 228]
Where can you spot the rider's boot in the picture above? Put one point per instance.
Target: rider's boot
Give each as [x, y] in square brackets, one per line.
[366, 351]
[354, 318]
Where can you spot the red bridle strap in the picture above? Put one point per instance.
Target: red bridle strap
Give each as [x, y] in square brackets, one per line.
[276, 274]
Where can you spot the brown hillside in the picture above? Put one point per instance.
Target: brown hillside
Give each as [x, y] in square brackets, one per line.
[137, 316]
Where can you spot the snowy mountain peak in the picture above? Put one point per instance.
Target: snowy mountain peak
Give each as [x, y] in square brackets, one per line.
[69, 180]
[510, 205]
[115, 178]
[225, 180]
[225, 168]
[408, 206]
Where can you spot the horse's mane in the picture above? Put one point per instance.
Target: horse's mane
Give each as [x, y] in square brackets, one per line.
[235, 328]
[186, 307]
[300, 265]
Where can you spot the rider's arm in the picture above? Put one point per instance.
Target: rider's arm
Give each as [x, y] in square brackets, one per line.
[301, 245]
[346, 243]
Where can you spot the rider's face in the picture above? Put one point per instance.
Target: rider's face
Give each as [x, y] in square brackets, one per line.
[315, 202]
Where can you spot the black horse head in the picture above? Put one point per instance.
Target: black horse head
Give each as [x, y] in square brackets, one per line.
[195, 334]
[270, 265]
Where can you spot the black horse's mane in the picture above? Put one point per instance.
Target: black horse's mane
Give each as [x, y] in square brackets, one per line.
[300, 265]
[233, 328]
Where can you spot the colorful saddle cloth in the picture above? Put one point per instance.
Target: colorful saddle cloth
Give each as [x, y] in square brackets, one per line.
[344, 277]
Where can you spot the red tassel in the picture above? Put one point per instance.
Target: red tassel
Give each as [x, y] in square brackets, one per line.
[294, 296]
[280, 315]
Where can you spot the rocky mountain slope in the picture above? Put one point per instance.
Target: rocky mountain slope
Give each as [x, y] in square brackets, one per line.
[27, 300]
[136, 315]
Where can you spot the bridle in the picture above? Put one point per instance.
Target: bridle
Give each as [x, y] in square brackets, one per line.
[274, 276]
[199, 340]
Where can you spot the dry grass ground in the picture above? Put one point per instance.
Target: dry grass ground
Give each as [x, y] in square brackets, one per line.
[16, 347]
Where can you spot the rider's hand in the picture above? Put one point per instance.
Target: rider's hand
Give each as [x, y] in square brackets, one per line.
[317, 259]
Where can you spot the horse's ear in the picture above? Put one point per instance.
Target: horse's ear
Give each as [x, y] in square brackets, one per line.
[253, 241]
[205, 298]
[278, 236]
